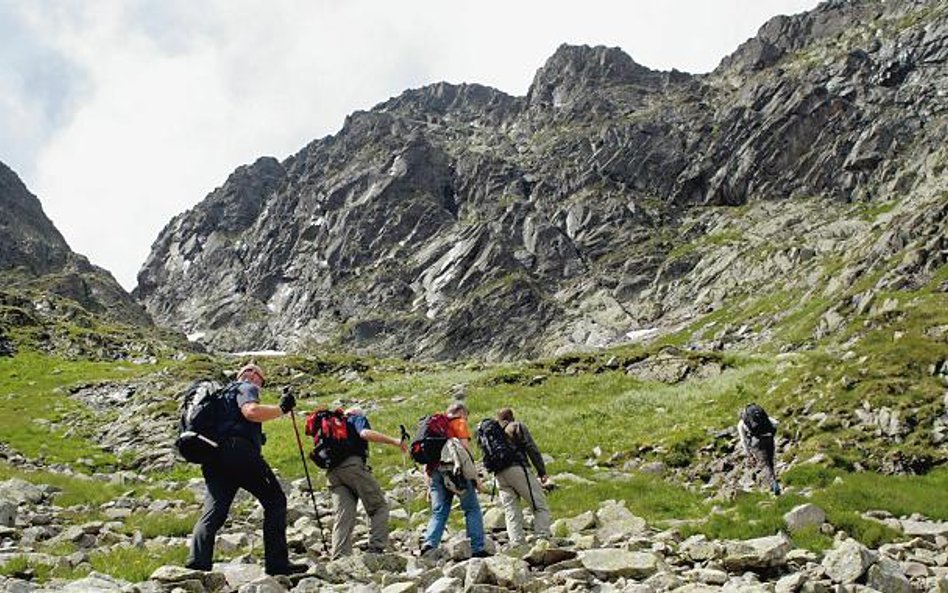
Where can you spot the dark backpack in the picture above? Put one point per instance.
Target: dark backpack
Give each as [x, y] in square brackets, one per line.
[430, 437]
[757, 421]
[499, 452]
[333, 438]
[201, 413]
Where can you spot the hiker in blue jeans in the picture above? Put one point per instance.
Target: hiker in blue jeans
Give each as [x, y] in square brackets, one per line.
[455, 474]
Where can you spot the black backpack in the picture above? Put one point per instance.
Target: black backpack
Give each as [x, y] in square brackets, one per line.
[757, 421]
[430, 437]
[499, 452]
[333, 438]
[201, 414]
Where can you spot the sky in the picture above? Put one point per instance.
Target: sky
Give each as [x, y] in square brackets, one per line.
[120, 114]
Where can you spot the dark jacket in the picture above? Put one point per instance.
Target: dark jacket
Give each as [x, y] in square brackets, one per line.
[520, 436]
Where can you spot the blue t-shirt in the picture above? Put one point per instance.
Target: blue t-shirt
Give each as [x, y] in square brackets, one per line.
[358, 423]
[235, 424]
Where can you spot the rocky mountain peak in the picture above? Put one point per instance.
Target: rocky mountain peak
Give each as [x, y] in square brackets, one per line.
[446, 99]
[28, 239]
[574, 69]
[35, 258]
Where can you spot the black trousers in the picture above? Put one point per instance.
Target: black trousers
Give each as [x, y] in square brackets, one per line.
[240, 466]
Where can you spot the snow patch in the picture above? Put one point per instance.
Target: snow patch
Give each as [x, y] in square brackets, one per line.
[640, 335]
[258, 353]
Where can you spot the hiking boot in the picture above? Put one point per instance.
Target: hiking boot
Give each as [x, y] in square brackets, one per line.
[481, 554]
[425, 550]
[290, 569]
[196, 566]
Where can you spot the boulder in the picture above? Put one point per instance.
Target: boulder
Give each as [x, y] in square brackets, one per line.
[264, 584]
[611, 563]
[21, 492]
[848, 561]
[239, 574]
[376, 563]
[581, 522]
[759, 553]
[886, 575]
[697, 548]
[16, 586]
[445, 585]
[403, 587]
[179, 575]
[95, 583]
[925, 529]
[7, 513]
[545, 554]
[804, 515]
[507, 572]
[494, 520]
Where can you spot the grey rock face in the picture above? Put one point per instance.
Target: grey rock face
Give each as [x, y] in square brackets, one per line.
[455, 220]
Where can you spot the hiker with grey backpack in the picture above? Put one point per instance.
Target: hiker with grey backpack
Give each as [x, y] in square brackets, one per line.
[757, 430]
[507, 445]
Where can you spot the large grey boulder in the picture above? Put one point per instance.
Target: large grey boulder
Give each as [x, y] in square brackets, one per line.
[758, 553]
[848, 561]
[925, 529]
[886, 575]
[21, 492]
[804, 515]
[611, 563]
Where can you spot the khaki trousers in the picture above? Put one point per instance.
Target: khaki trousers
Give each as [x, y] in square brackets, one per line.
[518, 482]
[350, 482]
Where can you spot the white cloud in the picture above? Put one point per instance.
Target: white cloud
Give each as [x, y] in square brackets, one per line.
[179, 93]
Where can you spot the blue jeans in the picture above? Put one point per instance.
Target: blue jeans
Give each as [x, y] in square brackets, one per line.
[441, 499]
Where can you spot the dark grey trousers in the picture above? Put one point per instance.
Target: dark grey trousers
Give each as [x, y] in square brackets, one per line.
[240, 466]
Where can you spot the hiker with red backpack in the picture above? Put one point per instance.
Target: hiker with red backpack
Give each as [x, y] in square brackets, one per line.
[507, 445]
[756, 430]
[342, 449]
[443, 444]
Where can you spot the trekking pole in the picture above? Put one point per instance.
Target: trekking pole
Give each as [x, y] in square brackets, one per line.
[312, 494]
[405, 439]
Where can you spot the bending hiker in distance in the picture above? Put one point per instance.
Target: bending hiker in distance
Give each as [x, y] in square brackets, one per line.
[345, 438]
[756, 430]
[455, 474]
[239, 464]
[507, 444]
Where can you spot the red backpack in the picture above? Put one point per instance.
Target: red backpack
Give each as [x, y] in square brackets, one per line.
[430, 437]
[332, 437]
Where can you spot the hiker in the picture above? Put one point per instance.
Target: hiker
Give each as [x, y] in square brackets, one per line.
[351, 480]
[444, 483]
[516, 481]
[756, 430]
[239, 464]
